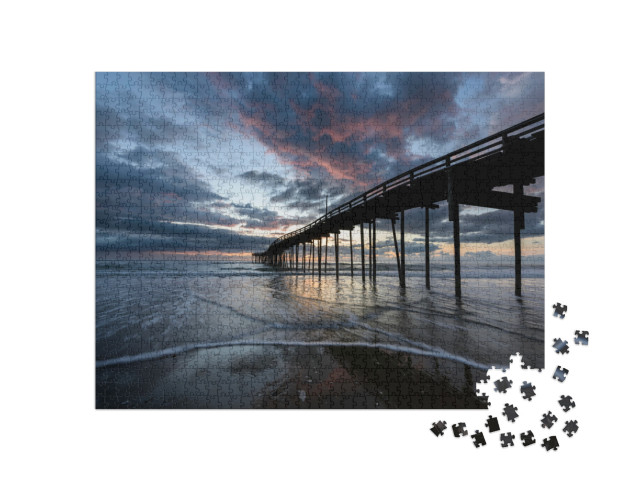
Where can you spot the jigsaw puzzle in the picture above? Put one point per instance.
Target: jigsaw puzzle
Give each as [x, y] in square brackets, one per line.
[459, 430]
[560, 374]
[582, 337]
[309, 240]
[478, 439]
[527, 438]
[510, 411]
[566, 402]
[560, 310]
[506, 439]
[551, 443]
[439, 428]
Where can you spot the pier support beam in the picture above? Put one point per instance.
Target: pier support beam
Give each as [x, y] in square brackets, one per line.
[374, 250]
[297, 256]
[370, 258]
[456, 248]
[454, 215]
[336, 249]
[313, 253]
[351, 249]
[362, 248]
[518, 223]
[304, 257]
[402, 251]
[395, 243]
[320, 259]
[427, 266]
[326, 253]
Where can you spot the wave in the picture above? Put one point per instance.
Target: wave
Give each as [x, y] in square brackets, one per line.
[153, 355]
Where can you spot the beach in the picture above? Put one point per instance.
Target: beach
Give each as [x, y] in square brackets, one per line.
[195, 334]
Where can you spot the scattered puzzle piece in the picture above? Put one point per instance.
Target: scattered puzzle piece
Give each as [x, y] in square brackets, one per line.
[506, 439]
[582, 337]
[527, 390]
[439, 428]
[510, 412]
[571, 427]
[527, 438]
[503, 384]
[560, 374]
[561, 347]
[492, 424]
[478, 439]
[560, 310]
[566, 402]
[459, 430]
[551, 443]
[548, 420]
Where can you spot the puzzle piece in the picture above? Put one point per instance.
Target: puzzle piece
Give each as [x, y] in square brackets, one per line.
[561, 347]
[582, 337]
[502, 385]
[510, 412]
[566, 402]
[561, 374]
[527, 438]
[571, 427]
[551, 443]
[527, 390]
[560, 310]
[478, 439]
[548, 420]
[459, 430]
[492, 424]
[506, 439]
[439, 428]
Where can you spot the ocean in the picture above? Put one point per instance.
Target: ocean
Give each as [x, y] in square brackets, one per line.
[198, 334]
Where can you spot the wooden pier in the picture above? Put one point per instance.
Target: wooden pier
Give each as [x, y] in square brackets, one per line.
[514, 156]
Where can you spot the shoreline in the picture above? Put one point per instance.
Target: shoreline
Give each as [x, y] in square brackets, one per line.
[289, 377]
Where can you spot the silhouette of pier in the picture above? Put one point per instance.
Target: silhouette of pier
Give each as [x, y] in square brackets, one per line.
[514, 156]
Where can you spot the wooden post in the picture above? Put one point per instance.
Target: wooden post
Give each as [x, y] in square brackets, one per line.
[304, 257]
[336, 247]
[518, 223]
[326, 253]
[313, 254]
[456, 247]
[297, 256]
[402, 251]
[374, 250]
[454, 215]
[395, 243]
[362, 248]
[351, 250]
[320, 259]
[370, 258]
[427, 273]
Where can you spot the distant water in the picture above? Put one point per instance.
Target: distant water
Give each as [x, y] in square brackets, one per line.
[206, 334]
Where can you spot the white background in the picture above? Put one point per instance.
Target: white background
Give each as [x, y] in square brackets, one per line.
[50, 53]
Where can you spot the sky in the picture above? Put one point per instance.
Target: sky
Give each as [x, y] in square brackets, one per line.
[216, 166]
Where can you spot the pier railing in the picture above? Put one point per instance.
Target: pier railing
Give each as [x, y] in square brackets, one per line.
[471, 153]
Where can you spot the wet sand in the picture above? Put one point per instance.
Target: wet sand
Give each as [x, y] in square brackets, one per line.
[288, 377]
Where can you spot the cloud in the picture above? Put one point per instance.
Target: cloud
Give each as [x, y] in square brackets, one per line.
[211, 149]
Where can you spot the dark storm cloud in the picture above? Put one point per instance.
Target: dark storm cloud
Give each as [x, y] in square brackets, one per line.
[264, 178]
[330, 123]
[139, 236]
[171, 179]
